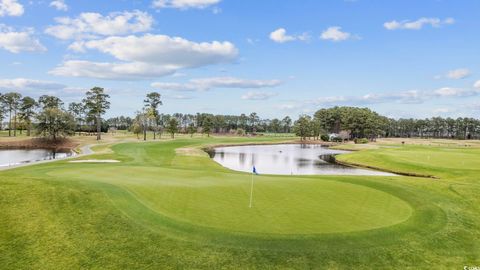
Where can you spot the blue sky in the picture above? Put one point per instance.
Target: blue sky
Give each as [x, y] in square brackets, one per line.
[401, 58]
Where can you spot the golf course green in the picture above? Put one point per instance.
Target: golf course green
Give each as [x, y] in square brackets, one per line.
[167, 205]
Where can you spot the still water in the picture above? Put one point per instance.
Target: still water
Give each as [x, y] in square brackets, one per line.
[296, 159]
[11, 157]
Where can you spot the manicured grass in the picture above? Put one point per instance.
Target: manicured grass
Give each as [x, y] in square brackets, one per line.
[4, 133]
[164, 208]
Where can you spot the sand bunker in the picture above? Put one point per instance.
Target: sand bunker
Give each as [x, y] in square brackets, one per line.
[95, 161]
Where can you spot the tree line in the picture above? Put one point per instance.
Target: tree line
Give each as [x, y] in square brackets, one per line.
[149, 119]
[337, 123]
[363, 123]
[48, 117]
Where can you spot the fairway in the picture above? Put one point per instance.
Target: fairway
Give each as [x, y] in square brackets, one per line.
[214, 197]
[158, 200]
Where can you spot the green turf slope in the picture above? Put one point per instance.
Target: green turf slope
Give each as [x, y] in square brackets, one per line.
[164, 208]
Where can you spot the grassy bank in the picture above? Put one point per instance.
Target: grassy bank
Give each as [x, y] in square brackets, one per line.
[161, 207]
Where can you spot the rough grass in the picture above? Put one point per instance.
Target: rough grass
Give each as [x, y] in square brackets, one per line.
[159, 209]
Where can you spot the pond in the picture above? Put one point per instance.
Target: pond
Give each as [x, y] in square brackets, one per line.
[293, 159]
[12, 157]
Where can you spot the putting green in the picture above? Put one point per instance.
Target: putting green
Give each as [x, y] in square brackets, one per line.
[279, 207]
[217, 198]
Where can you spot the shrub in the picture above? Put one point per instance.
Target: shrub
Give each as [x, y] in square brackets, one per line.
[361, 140]
[337, 139]
[325, 138]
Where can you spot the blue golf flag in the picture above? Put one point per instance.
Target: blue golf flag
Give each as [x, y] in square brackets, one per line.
[255, 170]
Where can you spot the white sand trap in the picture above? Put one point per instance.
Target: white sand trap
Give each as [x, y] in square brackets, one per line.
[95, 161]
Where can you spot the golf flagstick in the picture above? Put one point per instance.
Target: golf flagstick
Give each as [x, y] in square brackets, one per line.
[251, 192]
[254, 171]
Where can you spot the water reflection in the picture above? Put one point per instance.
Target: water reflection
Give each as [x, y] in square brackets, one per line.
[327, 158]
[241, 158]
[11, 157]
[302, 159]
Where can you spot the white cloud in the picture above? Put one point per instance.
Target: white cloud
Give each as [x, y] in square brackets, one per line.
[174, 52]
[230, 82]
[76, 91]
[182, 97]
[146, 56]
[289, 107]
[477, 84]
[280, 36]
[59, 5]
[205, 84]
[216, 10]
[418, 24]
[29, 84]
[19, 41]
[252, 41]
[10, 8]
[179, 74]
[184, 4]
[37, 88]
[304, 37]
[335, 33]
[331, 100]
[106, 70]
[474, 106]
[252, 95]
[443, 110]
[93, 25]
[447, 92]
[458, 73]
[174, 86]
[454, 92]
[404, 97]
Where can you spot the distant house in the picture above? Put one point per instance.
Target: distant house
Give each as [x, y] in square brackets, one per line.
[332, 136]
